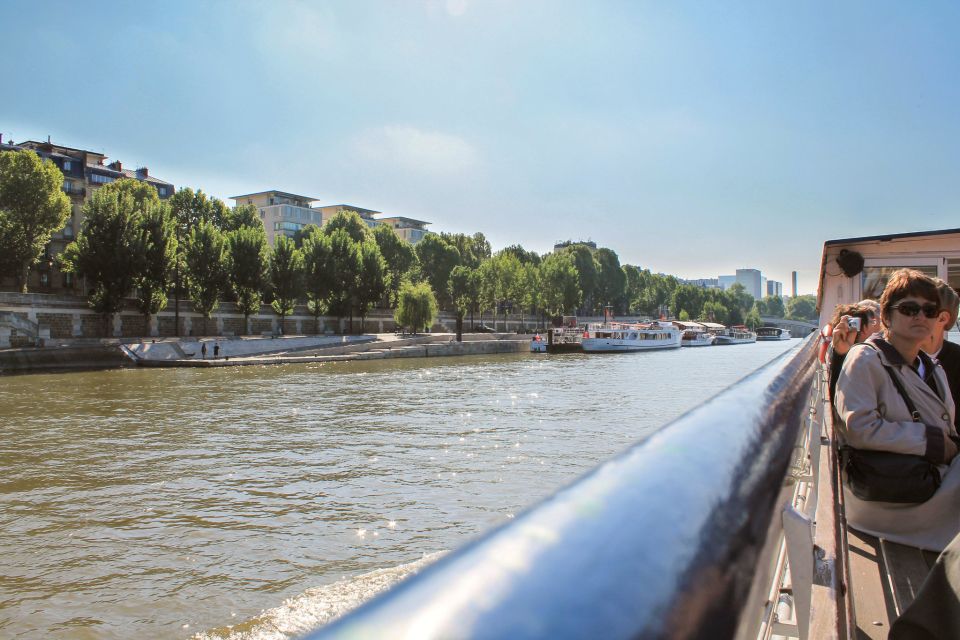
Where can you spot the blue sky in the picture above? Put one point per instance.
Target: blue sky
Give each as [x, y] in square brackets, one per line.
[691, 138]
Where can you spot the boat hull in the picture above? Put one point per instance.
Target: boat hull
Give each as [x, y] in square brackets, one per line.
[698, 342]
[613, 345]
[728, 340]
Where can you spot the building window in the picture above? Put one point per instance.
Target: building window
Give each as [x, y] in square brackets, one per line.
[67, 280]
[101, 179]
[44, 279]
[162, 191]
[67, 166]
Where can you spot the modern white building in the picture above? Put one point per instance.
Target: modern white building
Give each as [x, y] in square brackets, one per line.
[725, 282]
[774, 288]
[751, 279]
[409, 229]
[282, 213]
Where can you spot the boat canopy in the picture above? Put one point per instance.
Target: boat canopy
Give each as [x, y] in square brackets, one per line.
[713, 325]
[690, 325]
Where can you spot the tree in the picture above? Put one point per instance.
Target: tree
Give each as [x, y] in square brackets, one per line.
[346, 263]
[416, 307]
[248, 258]
[206, 261]
[473, 249]
[318, 273]
[437, 259]
[351, 222]
[107, 251]
[631, 289]
[530, 289]
[32, 206]
[245, 215]
[802, 308]
[398, 254]
[286, 277]
[143, 194]
[714, 311]
[525, 257]
[157, 252]
[189, 208]
[773, 306]
[738, 303]
[753, 320]
[561, 289]
[610, 277]
[586, 272]
[461, 286]
[689, 298]
[373, 281]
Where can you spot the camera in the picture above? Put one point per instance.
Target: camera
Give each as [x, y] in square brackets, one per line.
[854, 323]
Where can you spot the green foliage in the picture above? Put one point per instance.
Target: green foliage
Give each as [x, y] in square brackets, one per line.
[689, 298]
[286, 276]
[244, 215]
[206, 262]
[631, 288]
[473, 249]
[773, 306]
[610, 277]
[714, 311]
[587, 272]
[143, 194]
[107, 252]
[684, 316]
[560, 283]
[400, 258]
[437, 259]
[525, 257]
[248, 257]
[373, 279]
[753, 320]
[417, 306]
[157, 252]
[654, 292]
[318, 273]
[352, 223]
[32, 207]
[463, 288]
[802, 308]
[346, 264]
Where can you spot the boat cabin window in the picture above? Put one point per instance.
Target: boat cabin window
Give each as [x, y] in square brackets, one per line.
[874, 278]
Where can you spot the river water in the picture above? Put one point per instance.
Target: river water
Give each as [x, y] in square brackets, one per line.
[256, 502]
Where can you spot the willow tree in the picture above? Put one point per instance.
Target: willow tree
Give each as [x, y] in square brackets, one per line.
[206, 261]
[32, 206]
[286, 277]
[417, 306]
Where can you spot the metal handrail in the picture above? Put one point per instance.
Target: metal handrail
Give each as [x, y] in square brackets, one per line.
[666, 540]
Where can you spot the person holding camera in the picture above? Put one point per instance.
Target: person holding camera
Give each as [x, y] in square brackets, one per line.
[851, 323]
[893, 398]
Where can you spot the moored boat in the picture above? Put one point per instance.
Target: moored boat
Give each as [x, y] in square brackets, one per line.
[773, 333]
[538, 344]
[618, 337]
[694, 334]
[737, 334]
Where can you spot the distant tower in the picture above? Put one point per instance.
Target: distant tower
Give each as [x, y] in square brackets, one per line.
[793, 276]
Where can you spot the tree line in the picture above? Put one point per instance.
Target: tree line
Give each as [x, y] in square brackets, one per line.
[193, 246]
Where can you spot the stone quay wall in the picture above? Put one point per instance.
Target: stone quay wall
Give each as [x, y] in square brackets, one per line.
[51, 318]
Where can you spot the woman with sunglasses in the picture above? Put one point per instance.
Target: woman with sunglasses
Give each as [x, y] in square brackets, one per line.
[874, 416]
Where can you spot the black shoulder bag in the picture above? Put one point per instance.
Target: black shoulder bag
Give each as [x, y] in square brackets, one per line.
[885, 476]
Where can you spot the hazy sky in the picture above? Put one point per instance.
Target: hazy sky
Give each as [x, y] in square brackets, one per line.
[691, 138]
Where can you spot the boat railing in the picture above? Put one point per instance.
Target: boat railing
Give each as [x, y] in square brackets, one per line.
[682, 535]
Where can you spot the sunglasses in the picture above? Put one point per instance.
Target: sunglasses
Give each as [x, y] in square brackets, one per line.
[911, 309]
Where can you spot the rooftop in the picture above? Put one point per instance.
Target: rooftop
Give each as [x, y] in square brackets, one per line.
[403, 219]
[350, 207]
[282, 194]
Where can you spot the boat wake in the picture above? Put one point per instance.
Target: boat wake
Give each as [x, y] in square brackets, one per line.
[317, 606]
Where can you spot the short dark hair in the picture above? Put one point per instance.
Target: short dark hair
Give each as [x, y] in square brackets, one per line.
[853, 310]
[949, 301]
[904, 283]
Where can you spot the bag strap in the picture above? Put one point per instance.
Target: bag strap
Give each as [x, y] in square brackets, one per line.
[912, 408]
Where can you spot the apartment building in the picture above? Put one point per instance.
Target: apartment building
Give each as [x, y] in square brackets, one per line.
[409, 229]
[366, 215]
[84, 172]
[283, 214]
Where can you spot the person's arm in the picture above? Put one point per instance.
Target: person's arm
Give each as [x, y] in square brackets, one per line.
[862, 387]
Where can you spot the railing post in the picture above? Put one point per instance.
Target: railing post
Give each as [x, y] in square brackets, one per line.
[798, 533]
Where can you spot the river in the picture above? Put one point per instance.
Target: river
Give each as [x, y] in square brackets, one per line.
[255, 502]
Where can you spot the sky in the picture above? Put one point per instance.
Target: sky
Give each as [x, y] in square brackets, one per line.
[692, 138]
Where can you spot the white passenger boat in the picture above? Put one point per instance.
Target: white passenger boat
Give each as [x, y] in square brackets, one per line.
[737, 334]
[694, 334]
[615, 336]
[773, 333]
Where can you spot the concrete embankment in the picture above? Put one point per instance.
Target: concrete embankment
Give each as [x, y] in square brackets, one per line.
[32, 359]
[226, 352]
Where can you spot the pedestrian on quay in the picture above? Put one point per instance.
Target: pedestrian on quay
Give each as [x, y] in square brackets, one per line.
[216, 350]
[203, 350]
